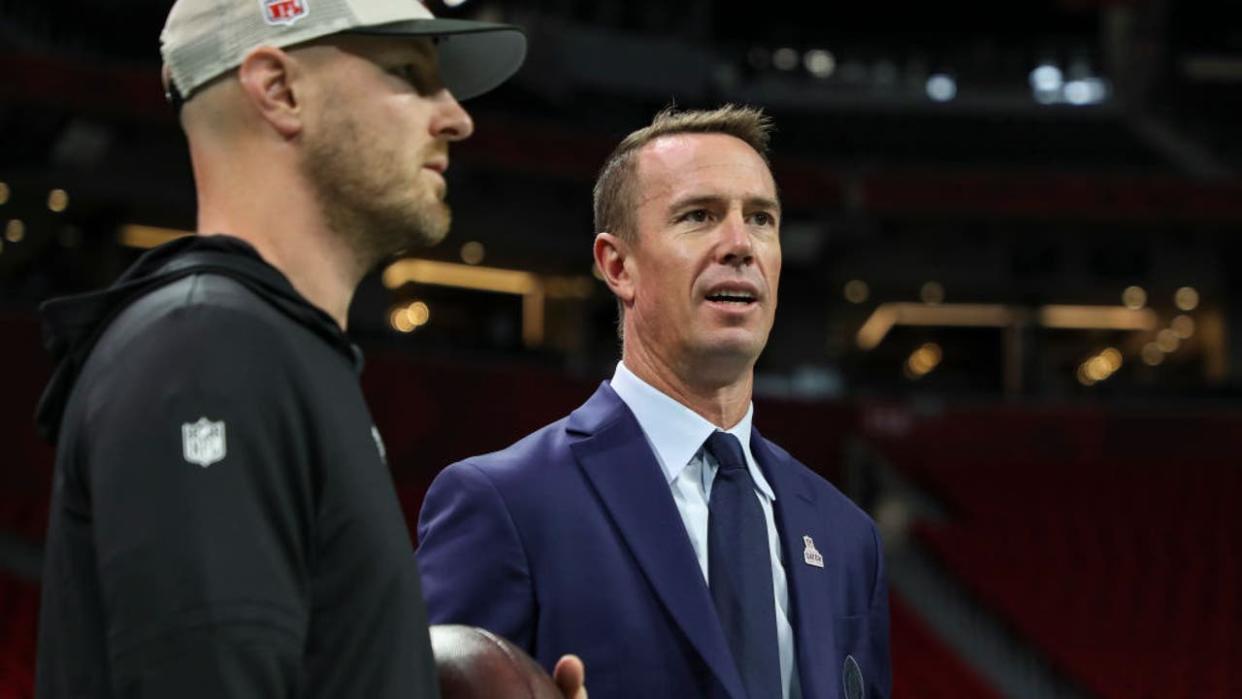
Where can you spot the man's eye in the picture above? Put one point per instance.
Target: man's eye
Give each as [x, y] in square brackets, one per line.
[763, 218]
[406, 73]
[417, 78]
[696, 216]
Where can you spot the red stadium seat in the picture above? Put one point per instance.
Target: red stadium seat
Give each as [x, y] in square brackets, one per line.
[19, 611]
[923, 667]
[1124, 569]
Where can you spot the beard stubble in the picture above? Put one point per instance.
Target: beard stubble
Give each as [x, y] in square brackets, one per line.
[379, 203]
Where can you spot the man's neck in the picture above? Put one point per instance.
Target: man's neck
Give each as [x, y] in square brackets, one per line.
[292, 237]
[721, 400]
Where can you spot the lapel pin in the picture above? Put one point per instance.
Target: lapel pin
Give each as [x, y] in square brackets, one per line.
[809, 554]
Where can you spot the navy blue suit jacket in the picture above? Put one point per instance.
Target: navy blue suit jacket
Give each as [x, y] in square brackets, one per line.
[569, 542]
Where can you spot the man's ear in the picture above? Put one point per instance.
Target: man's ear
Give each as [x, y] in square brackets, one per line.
[268, 77]
[612, 255]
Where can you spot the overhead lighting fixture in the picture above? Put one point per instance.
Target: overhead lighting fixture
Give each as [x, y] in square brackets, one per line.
[1134, 297]
[406, 318]
[4, 193]
[15, 231]
[1168, 341]
[1186, 298]
[1113, 358]
[1152, 354]
[472, 253]
[533, 288]
[57, 200]
[941, 87]
[888, 315]
[1184, 326]
[1050, 86]
[399, 320]
[503, 281]
[1086, 91]
[785, 58]
[856, 291]
[923, 360]
[1099, 367]
[145, 237]
[1046, 81]
[419, 313]
[1096, 318]
[819, 63]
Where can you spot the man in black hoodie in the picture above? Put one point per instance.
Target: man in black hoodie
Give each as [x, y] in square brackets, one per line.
[223, 523]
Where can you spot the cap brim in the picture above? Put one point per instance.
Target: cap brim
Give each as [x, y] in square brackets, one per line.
[474, 56]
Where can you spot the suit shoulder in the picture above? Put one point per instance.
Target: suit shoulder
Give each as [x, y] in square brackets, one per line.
[546, 445]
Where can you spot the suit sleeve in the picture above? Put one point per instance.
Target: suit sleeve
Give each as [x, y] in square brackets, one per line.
[473, 565]
[879, 622]
[194, 454]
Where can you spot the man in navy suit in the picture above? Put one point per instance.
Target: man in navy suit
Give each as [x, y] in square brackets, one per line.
[653, 531]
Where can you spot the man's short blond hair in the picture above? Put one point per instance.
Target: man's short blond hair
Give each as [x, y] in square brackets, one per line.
[614, 188]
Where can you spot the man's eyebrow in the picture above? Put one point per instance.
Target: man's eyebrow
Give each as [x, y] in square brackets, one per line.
[696, 200]
[763, 203]
[710, 199]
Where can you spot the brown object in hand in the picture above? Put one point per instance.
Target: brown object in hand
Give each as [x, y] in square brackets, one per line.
[476, 664]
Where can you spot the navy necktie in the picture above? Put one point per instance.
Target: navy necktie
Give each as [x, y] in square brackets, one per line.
[739, 568]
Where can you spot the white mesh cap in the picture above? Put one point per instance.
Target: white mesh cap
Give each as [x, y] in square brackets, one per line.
[203, 39]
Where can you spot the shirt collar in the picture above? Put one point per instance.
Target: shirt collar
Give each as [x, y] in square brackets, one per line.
[675, 432]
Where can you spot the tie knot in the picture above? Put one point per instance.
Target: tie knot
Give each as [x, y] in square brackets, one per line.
[727, 450]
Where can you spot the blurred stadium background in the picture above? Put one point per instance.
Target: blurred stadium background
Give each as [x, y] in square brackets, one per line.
[1008, 324]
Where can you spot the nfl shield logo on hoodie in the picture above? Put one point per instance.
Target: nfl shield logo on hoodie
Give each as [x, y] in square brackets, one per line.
[278, 12]
[202, 442]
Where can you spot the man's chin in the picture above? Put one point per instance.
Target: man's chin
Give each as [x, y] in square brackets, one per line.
[436, 222]
[426, 227]
[732, 346]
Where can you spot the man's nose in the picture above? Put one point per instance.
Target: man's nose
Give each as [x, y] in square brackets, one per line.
[451, 121]
[736, 246]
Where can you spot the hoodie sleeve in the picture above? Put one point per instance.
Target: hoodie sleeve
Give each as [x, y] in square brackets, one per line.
[195, 454]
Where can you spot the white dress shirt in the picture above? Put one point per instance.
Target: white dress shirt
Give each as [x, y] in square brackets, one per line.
[676, 435]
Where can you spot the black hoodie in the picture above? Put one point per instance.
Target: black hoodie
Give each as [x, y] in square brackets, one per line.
[223, 523]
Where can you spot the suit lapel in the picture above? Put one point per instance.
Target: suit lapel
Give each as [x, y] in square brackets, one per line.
[617, 460]
[811, 610]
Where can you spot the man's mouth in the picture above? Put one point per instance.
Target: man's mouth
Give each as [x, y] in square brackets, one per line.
[735, 293]
[738, 297]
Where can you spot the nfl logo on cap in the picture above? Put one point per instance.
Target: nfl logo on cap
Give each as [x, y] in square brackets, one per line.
[286, 12]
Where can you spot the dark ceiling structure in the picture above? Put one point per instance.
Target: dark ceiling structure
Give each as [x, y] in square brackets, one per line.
[1020, 155]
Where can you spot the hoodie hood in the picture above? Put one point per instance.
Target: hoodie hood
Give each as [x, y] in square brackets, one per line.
[72, 325]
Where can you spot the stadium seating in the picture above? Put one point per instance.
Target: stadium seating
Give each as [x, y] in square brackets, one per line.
[1109, 541]
[1123, 570]
[19, 608]
[923, 667]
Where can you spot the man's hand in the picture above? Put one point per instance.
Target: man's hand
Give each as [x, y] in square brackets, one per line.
[570, 677]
